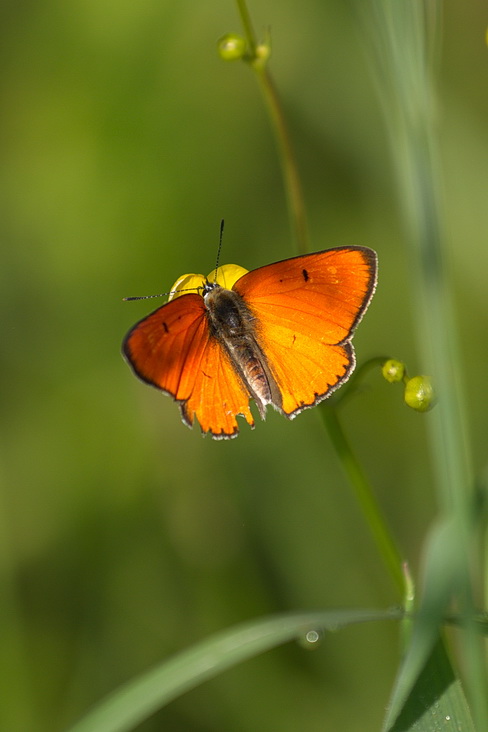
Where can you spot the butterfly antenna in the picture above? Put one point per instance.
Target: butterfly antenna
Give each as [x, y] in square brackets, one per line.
[221, 235]
[163, 294]
[144, 297]
[191, 289]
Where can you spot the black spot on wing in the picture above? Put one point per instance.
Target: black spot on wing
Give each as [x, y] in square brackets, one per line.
[305, 275]
[165, 326]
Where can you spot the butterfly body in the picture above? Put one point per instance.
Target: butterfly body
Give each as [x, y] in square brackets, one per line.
[232, 323]
[280, 334]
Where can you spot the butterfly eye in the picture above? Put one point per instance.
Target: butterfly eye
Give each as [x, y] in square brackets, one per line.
[187, 283]
[227, 275]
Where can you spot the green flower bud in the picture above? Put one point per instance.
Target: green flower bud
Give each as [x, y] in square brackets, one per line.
[231, 47]
[419, 393]
[393, 370]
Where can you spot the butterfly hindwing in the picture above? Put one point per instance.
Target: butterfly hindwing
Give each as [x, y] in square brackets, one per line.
[218, 395]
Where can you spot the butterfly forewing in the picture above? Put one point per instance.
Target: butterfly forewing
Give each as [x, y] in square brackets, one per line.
[333, 288]
[173, 350]
[306, 309]
[166, 347]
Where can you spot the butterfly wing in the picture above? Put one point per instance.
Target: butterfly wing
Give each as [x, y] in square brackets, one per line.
[173, 350]
[218, 395]
[306, 309]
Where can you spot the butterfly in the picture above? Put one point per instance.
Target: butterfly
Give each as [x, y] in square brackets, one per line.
[280, 334]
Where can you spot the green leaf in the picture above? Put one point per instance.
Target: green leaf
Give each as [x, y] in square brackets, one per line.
[426, 691]
[138, 699]
[437, 701]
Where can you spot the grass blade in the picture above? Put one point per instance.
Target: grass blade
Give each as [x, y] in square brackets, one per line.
[138, 699]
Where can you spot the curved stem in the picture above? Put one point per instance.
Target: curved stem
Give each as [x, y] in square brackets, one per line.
[352, 467]
[349, 388]
[247, 25]
[288, 162]
[365, 497]
[289, 166]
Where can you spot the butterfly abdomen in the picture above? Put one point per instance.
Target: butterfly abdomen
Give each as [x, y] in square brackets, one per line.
[232, 323]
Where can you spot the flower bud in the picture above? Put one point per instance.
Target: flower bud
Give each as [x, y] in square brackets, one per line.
[187, 283]
[263, 52]
[227, 275]
[231, 47]
[393, 370]
[419, 393]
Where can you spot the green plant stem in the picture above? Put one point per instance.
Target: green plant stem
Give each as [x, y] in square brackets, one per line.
[288, 161]
[247, 25]
[448, 431]
[293, 188]
[404, 35]
[291, 177]
[365, 496]
[350, 387]
[16, 711]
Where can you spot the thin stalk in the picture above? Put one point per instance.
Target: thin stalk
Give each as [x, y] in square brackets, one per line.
[17, 711]
[365, 497]
[247, 25]
[287, 157]
[351, 465]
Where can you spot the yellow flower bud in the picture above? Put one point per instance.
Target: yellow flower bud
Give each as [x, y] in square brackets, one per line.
[187, 283]
[225, 276]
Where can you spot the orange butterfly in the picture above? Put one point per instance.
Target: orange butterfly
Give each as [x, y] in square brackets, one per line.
[280, 334]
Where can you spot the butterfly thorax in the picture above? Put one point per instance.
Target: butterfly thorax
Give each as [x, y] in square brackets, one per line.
[232, 323]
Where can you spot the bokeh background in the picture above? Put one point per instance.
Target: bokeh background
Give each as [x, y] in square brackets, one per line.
[124, 536]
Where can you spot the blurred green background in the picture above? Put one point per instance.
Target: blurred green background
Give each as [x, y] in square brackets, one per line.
[124, 536]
